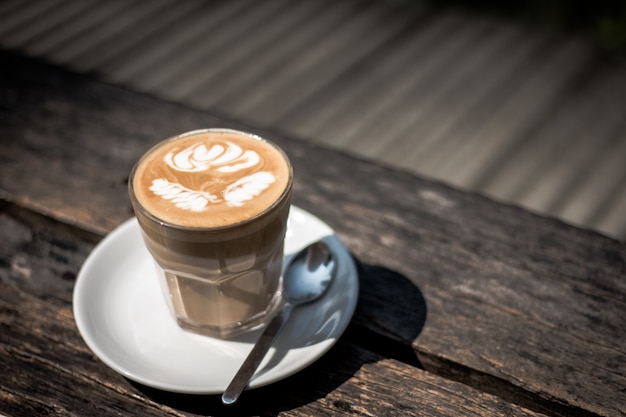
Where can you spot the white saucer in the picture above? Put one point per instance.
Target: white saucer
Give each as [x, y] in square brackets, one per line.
[123, 318]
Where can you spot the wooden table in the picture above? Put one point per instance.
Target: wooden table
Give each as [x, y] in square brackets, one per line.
[466, 306]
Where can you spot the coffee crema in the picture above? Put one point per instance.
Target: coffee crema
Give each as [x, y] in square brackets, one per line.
[211, 178]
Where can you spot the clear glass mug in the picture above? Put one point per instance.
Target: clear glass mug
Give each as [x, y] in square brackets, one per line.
[219, 280]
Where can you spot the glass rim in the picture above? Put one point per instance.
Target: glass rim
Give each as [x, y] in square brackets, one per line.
[216, 229]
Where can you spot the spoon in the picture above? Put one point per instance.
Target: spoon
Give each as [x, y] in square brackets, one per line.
[307, 278]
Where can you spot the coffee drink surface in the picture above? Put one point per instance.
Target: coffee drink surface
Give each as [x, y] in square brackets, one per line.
[213, 208]
[211, 178]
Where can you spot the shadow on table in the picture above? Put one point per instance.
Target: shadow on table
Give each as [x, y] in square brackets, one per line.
[390, 314]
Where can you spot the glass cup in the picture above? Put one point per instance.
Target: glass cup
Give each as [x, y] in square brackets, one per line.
[212, 206]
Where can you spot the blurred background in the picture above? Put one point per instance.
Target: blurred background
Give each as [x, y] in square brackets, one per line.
[523, 103]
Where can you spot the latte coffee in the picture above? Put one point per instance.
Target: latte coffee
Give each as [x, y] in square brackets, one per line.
[213, 206]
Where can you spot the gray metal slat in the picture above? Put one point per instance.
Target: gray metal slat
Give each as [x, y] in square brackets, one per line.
[42, 24]
[379, 106]
[597, 188]
[247, 101]
[416, 135]
[290, 67]
[436, 138]
[152, 34]
[16, 18]
[159, 64]
[240, 80]
[417, 87]
[10, 6]
[351, 43]
[73, 26]
[552, 187]
[78, 52]
[413, 93]
[437, 98]
[585, 106]
[595, 200]
[516, 116]
[504, 82]
[603, 146]
[124, 38]
[595, 116]
[349, 95]
[252, 49]
[65, 49]
[523, 166]
[613, 220]
[220, 41]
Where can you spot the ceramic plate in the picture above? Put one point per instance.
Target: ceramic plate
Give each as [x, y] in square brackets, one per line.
[122, 316]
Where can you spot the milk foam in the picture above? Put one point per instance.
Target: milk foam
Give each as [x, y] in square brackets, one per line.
[216, 177]
[198, 158]
[181, 196]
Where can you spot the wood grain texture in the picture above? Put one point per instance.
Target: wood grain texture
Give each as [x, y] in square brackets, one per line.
[522, 307]
[48, 370]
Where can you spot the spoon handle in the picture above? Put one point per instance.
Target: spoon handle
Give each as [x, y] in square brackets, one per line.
[256, 355]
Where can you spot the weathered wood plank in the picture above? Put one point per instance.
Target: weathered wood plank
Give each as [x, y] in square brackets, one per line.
[528, 307]
[44, 361]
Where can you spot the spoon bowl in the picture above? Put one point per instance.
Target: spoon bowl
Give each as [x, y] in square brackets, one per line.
[309, 274]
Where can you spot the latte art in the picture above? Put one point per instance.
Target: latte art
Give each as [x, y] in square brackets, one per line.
[247, 188]
[198, 158]
[182, 197]
[235, 194]
[211, 178]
